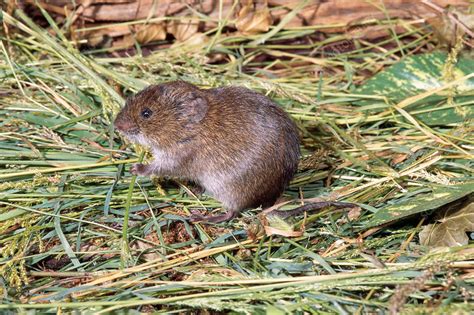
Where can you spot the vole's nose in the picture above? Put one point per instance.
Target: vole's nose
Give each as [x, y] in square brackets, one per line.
[123, 124]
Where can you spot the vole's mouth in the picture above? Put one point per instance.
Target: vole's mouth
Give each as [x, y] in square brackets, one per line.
[131, 132]
[136, 136]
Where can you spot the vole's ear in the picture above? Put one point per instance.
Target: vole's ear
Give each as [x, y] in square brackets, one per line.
[194, 107]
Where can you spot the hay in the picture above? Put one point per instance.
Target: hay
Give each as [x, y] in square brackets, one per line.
[66, 190]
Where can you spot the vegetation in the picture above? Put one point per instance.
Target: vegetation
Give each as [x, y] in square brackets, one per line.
[386, 124]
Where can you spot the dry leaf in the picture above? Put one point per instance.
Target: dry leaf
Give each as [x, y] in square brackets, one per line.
[448, 26]
[195, 40]
[143, 246]
[144, 34]
[398, 158]
[253, 18]
[269, 231]
[132, 10]
[214, 274]
[352, 215]
[372, 258]
[444, 29]
[274, 225]
[451, 231]
[149, 33]
[183, 29]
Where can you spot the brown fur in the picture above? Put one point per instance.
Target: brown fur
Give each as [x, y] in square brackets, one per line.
[239, 145]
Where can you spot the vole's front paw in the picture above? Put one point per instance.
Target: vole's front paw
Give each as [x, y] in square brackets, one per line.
[138, 169]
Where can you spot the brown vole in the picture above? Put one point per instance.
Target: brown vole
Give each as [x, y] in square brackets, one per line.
[235, 143]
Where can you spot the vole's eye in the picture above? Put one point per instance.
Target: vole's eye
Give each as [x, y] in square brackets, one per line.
[146, 113]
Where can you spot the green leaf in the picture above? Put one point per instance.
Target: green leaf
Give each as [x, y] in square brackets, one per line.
[417, 74]
[10, 214]
[440, 196]
[273, 310]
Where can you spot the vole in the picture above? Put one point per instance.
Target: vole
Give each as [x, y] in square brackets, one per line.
[235, 143]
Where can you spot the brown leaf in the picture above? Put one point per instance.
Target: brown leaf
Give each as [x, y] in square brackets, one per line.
[195, 40]
[354, 213]
[144, 34]
[451, 231]
[398, 158]
[450, 24]
[183, 29]
[145, 248]
[269, 231]
[148, 33]
[253, 18]
[132, 10]
[444, 29]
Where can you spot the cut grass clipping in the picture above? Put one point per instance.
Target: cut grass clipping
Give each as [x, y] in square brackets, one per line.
[77, 231]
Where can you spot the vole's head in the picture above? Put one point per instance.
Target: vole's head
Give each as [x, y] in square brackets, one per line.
[163, 115]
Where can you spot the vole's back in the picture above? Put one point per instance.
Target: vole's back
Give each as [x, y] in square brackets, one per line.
[250, 148]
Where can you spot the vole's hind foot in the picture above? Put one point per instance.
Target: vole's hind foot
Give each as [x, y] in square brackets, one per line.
[141, 169]
[198, 217]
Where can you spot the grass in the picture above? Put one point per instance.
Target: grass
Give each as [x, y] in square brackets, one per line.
[78, 232]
